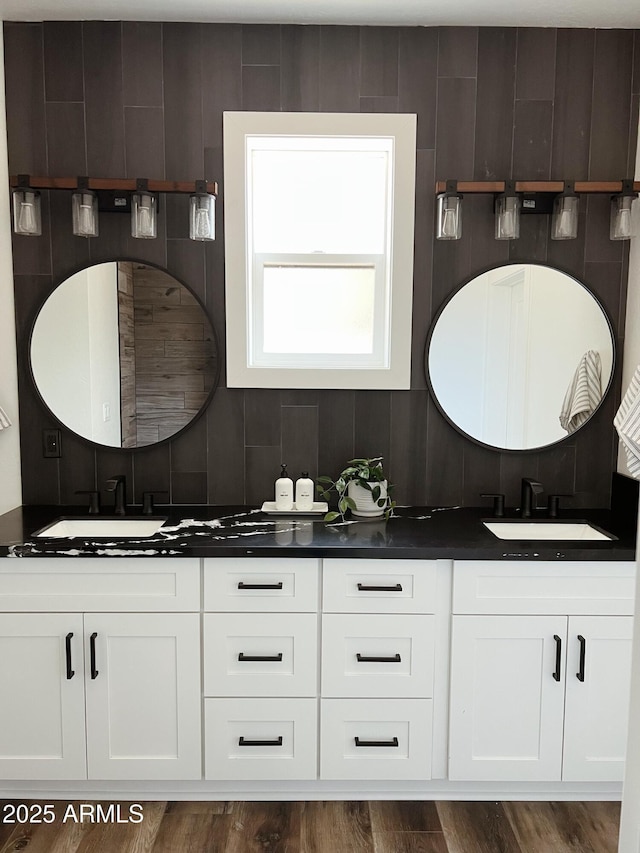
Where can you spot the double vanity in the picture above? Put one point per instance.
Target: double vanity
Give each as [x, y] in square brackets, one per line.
[233, 655]
[220, 653]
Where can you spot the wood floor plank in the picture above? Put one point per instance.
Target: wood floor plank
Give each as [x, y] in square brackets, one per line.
[404, 816]
[176, 807]
[264, 828]
[122, 837]
[565, 827]
[337, 827]
[409, 842]
[477, 828]
[193, 832]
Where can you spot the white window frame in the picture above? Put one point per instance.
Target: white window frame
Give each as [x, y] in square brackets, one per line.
[390, 365]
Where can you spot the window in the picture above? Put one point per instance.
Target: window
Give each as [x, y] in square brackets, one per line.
[319, 213]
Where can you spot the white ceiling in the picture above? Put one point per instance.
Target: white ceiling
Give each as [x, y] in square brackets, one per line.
[523, 13]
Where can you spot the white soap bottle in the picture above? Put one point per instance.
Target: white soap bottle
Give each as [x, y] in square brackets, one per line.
[284, 491]
[304, 493]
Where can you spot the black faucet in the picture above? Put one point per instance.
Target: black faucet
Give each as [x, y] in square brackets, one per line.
[118, 484]
[530, 488]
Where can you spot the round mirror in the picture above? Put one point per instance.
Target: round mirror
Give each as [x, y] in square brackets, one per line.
[123, 354]
[520, 357]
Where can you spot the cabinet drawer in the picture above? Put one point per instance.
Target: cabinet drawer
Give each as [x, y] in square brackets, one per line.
[377, 655]
[389, 739]
[261, 738]
[268, 655]
[379, 586]
[130, 584]
[251, 585]
[510, 587]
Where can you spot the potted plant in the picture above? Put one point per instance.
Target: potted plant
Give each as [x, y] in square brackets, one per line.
[362, 488]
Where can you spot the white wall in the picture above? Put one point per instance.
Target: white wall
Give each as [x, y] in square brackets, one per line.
[10, 484]
[630, 817]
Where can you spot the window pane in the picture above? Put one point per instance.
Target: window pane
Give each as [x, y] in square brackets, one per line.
[319, 200]
[319, 309]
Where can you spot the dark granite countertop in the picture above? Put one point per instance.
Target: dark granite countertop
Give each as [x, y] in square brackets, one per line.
[413, 533]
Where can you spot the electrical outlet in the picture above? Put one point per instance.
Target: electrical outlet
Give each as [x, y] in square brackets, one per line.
[51, 447]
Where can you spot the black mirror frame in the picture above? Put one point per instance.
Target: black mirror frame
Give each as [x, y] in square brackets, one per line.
[52, 414]
[446, 302]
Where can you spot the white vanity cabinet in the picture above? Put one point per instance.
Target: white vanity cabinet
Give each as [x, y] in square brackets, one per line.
[97, 694]
[260, 639]
[378, 649]
[540, 670]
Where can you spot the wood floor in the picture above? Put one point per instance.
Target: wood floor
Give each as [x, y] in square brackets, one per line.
[328, 827]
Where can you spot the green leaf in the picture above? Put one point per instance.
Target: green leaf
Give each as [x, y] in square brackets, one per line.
[343, 506]
[325, 480]
[331, 516]
[350, 503]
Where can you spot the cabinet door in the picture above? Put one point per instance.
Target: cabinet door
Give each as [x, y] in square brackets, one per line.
[597, 702]
[143, 695]
[507, 697]
[42, 733]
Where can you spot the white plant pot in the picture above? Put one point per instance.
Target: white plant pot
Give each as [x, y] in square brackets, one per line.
[366, 507]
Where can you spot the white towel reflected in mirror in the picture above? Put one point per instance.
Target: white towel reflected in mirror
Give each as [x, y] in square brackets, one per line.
[584, 392]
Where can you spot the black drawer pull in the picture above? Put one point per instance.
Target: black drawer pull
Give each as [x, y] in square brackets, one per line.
[392, 742]
[67, 641]
[243, 585]
[92, 647]
[377, 659]
[583, 654]
[243, 657]
[556, 673]
[363, 587]
[245, 742]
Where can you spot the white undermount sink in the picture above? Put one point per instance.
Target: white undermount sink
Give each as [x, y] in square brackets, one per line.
[101, 528]
[564, 530]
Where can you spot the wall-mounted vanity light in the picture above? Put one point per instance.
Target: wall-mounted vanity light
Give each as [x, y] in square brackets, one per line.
[516, 198]
[449, 213]
[144, 212]
[564, 219]
[621, 223]
[139, 197]
[507, 213]
[84, 210]
[202, 213]
[27, 218]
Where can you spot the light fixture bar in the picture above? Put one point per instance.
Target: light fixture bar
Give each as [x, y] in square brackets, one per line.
[120, 184]
[536, 186]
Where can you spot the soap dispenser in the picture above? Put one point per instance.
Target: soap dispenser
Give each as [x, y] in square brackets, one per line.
[284, 491]
[304, 493]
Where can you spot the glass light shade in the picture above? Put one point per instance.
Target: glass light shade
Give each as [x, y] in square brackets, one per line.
[202, 216]
[621, 223]
[144, 215]
[507, 217]
[84, 213]
[27, 217]
[564, 220]
[449, 217]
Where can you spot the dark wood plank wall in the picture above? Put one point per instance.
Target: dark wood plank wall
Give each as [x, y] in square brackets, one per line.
[145, 99]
